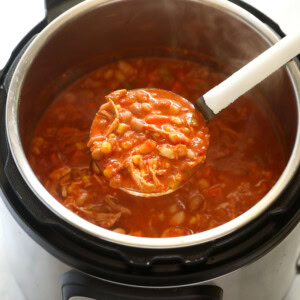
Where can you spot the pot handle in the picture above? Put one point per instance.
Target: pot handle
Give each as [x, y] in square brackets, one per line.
[79, 286]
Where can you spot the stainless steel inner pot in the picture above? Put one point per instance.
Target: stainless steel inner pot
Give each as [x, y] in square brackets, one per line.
[99, 31]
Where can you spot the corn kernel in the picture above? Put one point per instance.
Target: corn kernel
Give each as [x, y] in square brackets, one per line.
[136, 159]
[122, 128]
[106, 147]
[108, 172]
[192, 220]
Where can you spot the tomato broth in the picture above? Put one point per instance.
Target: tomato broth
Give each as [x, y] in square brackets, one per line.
[244, 158]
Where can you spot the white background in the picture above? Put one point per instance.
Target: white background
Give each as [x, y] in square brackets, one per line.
[17, 17]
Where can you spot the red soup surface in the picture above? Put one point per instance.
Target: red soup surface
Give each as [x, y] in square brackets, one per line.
[244, 159]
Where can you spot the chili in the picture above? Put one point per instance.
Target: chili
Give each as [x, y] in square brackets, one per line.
[244, 159]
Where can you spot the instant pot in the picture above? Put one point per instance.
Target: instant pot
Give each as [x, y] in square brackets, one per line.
[53, 253]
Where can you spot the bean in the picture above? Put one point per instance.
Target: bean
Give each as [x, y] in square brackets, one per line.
[154, 119]
[172, 208]
[203, 183]
[36, 150]
[115, 182]
[105, 106]
[190, 154]
[117, 95]
[125, 116]
[178, 218]
[168, 128]
[97, 154]
[161, 216]
[81, 198]
[120, 76]
[126, 145]
[147, 147]
[146, 107]
[136, 109]
[185, 130]
[108, 74]
[181, 150]
[137, 124]
[164, 103]
[126, 68]
[174, 109]
[176, 231]
[176, 120]
[196, 202]
[178, 137]
[166, 152]
[64, 192]
[38, 141]
[142, 96]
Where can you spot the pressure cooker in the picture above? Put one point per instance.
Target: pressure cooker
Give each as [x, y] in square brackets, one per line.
[55, 254]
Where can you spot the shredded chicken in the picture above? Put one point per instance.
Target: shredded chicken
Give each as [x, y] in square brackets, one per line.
[110, 200]
[107, 220]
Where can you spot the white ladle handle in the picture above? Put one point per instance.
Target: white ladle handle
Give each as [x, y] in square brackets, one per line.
[251, 74]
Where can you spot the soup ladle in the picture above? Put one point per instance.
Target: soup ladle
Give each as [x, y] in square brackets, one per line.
[224, 94]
